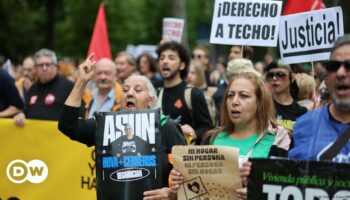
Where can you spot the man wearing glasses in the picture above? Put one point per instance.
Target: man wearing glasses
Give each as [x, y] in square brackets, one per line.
[46, 97]
[316, 132]
[280, 78]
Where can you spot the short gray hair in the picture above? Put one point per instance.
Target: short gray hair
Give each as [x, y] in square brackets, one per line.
[343, 40]
[129, 57]
[48, 53]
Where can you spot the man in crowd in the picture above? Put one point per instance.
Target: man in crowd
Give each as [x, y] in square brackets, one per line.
[236, 52]
[108, 94]
[29, 77]
[47, 96]
[316, 132]
[10, 101]
[173, 62]
[126, 66]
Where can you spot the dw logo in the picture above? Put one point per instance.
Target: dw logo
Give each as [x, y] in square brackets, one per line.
[35, 171]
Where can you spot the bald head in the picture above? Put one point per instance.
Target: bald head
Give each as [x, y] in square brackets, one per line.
[29, 70]
[106, 63]
[105, 74]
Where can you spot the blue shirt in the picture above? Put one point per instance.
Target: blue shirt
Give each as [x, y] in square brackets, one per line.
[105, 106]
[314, 133]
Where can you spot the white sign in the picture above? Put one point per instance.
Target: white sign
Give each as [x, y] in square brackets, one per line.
[246, 22]
[172, 29]
[136, 51]
[309, 36]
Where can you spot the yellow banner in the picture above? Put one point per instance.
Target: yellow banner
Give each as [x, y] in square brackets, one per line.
[39, 162]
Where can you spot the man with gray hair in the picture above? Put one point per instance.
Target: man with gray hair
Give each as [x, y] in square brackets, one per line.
[126, 66]
[323, 134]
[46, 97]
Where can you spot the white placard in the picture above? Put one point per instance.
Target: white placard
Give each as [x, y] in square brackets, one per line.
[309, 36]
[173, 29]
[246, 22]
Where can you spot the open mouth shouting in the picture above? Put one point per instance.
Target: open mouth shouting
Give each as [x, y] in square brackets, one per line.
[166, 70]
[130, 105]
[342, 89]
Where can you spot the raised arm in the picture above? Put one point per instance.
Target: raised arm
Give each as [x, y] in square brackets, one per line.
[70, 123]
[86, 70]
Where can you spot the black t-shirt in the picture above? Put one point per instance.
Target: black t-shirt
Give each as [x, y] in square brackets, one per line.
[289, 112]
[45, 101]
[8, 92]
[132, 147]
[174, 105]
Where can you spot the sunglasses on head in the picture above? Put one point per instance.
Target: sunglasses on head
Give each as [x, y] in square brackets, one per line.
[333, 65]
[279, 75]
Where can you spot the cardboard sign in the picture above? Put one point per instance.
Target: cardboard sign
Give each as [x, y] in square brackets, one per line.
[210, 172]
[126, 157]
[277, 179]
[173, 29]
[246, 22]
[309, 36]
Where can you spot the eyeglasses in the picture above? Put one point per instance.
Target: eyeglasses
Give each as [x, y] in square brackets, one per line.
[42, 65]
[333, 65]
[279, 75]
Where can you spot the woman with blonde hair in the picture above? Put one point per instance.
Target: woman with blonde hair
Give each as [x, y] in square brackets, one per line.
[306, 85]
[196, 76]
[247, 123]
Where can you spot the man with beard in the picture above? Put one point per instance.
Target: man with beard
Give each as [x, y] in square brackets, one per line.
[173, 60]
[316, 132]
[107, 96]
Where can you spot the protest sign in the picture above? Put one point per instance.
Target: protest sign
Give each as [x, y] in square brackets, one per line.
[173, 29]
[309, 36]
[39, 162]
[277, 179]
[126, 156]
[137, 50]
[246, 22]
[210, 172]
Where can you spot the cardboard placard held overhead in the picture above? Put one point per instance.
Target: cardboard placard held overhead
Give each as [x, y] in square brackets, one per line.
[210, 172]
[246, 22]
[309, 36]
[173, 29]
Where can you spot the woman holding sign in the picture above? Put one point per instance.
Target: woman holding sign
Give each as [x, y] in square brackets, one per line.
[138, 94]
[248, 123]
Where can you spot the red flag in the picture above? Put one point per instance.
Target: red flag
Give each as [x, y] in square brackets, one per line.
[99, 42]
[297, 6]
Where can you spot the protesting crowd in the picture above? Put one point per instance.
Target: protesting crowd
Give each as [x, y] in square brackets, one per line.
[267, 109]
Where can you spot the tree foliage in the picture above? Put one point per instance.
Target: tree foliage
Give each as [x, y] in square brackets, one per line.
[26, 24]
